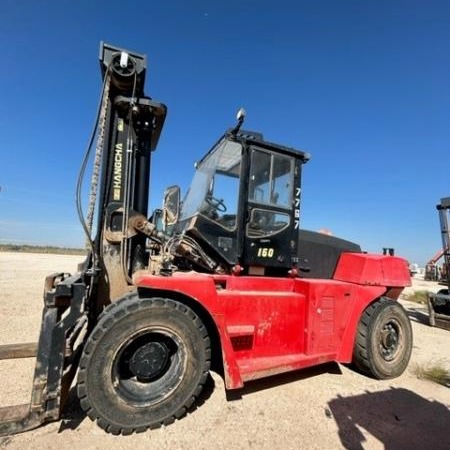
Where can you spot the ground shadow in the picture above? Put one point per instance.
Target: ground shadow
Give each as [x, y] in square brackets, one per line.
[398, 418]
[72, 414]
[284, 378]
[418, 315]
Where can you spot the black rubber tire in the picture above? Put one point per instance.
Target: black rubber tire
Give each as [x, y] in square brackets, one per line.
[384, 340]
[117, 399]
[442, 306]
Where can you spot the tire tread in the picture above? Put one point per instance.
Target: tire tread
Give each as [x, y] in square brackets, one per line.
[107, 319]
[362, 353]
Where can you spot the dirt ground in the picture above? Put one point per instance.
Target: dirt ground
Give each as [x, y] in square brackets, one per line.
[327, 407]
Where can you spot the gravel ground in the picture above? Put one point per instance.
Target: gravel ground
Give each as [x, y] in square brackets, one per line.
[326, 407]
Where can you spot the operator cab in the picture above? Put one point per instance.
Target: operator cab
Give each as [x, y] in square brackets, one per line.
[243, 205]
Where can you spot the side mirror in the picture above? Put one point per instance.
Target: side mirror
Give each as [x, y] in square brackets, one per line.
[171, 207]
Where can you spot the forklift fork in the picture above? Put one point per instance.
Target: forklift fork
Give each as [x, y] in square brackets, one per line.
[63, 329]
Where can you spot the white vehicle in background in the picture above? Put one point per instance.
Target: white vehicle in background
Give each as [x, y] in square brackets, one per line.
[413, 269]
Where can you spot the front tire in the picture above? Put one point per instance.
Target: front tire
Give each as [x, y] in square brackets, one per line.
[143, 365]
[384, 340]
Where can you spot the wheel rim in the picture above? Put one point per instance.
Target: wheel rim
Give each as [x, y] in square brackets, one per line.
[148, 367]
[391, 340]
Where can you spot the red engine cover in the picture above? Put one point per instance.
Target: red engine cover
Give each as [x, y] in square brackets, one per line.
[373, 270]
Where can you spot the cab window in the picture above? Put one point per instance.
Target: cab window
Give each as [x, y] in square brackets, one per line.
[271, 179]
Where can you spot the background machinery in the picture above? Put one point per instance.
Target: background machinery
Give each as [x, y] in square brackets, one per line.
[434, 272]
[439, 304]
[225, 279]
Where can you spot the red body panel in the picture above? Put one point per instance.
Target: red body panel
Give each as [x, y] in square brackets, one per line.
[375, 270]
[273, 325]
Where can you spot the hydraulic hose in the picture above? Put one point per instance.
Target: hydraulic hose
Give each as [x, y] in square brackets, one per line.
[82, 171]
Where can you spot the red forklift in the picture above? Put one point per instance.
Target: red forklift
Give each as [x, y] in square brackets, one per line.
[225, 280]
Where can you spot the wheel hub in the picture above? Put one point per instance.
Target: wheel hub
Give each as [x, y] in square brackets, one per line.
[149, 361]
[389, 341]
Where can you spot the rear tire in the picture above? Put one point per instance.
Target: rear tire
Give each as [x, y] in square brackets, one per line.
[441, 306]
[143, 365]
[384, 340]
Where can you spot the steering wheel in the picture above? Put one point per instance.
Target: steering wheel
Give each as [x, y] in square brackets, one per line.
[217, 204]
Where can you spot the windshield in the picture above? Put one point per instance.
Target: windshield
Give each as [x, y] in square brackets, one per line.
[214, 188]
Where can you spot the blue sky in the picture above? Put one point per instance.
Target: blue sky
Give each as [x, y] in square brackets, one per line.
[364, 86]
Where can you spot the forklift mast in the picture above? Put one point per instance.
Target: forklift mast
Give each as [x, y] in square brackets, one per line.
[128, 129]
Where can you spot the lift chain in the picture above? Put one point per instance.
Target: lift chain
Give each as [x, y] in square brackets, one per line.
[98, 154]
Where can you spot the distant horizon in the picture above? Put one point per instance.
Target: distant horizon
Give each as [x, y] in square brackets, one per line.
[4, 244]
[82, 249]
[44, 250]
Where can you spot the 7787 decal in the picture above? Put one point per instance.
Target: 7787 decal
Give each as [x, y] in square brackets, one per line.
[297, 208]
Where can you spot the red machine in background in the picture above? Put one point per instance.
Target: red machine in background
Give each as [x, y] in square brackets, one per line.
[434, 272]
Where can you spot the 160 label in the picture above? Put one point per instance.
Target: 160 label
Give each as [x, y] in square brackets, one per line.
[265, 252]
